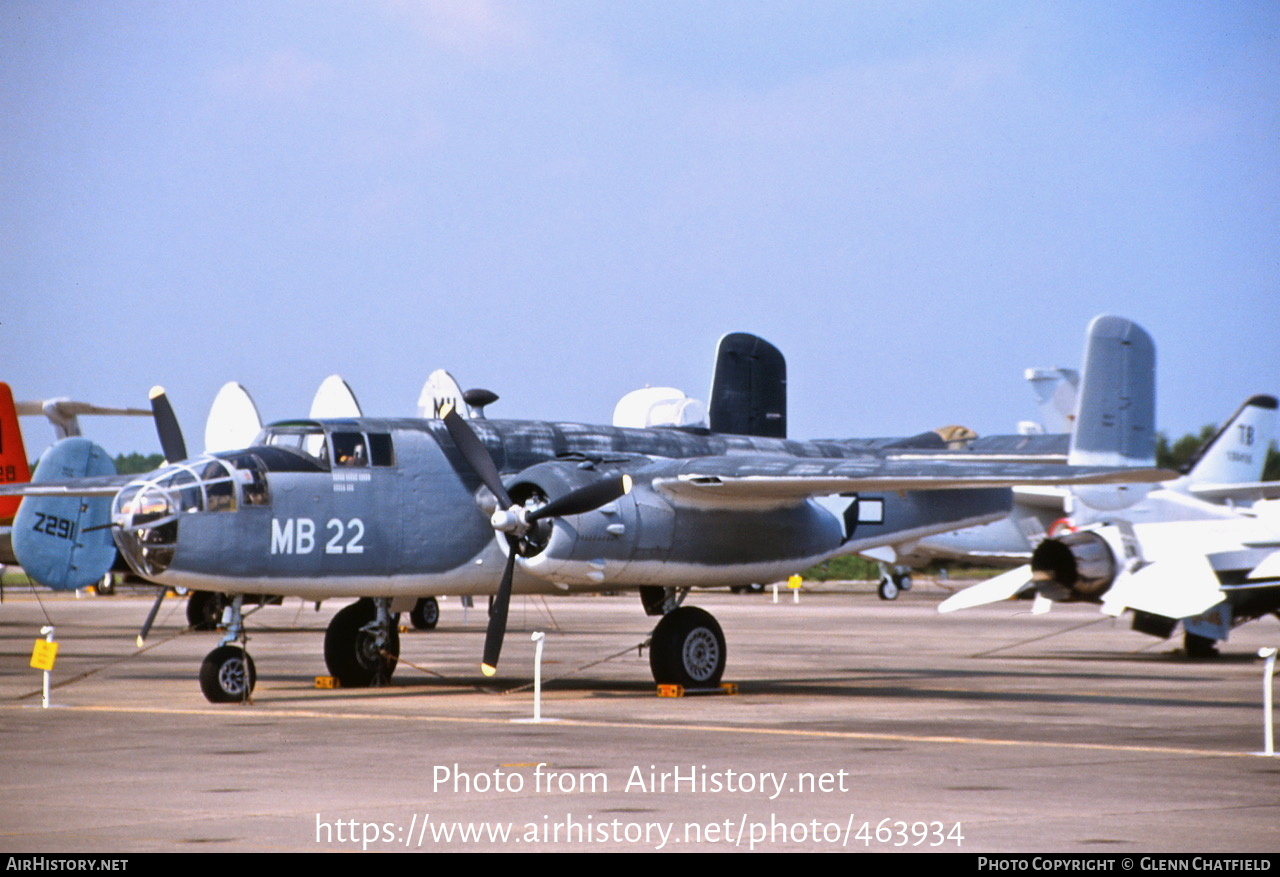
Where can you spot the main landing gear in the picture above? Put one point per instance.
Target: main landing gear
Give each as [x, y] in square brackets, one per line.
[893, 581]
[362, 644]
[687, 647]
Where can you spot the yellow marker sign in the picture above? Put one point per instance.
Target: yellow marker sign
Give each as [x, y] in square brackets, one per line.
[43, 655]
[794, 582]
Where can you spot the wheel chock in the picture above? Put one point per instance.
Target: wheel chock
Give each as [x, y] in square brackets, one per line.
[328, 682]
[680, 691]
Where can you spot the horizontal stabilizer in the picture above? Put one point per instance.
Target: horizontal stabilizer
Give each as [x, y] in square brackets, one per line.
[1243, 493]
[1177, 586]
[1268, 569]
[1002, 587]
[64, 542]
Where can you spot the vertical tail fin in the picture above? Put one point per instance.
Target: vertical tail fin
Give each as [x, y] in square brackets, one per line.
[749, 389]
[14, 467]
[1238, 450]
[233, 420]
[1116, 413]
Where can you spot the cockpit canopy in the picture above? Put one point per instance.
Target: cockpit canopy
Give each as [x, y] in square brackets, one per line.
[331, 445]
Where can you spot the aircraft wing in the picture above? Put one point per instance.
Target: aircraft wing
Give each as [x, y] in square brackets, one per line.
[1053, 499]
[97, 485]
[750, 480]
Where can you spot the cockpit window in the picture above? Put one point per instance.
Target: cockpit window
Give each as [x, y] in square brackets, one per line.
[310, 442]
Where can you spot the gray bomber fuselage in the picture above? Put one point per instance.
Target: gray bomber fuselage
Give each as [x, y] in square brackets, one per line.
[410, 517]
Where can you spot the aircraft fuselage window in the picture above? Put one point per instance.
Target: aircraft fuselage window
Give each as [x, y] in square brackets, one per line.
[355, 449]
[349, 449]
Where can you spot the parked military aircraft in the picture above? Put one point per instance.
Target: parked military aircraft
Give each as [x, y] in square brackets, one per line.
[389, 510]
[1209, 574]
[1223, 474]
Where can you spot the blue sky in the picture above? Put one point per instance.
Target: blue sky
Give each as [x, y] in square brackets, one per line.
[562, 201]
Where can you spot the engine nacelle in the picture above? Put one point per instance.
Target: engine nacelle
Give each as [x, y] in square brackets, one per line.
[643, 539]
[595, 547]
[1075, 567]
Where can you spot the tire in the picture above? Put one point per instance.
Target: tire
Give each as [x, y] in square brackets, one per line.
[349, 652]
[425, 614]
[887, 590]
[904, 581]
[1199, 646]
[227, 675]
[204, 610]
[687, 649]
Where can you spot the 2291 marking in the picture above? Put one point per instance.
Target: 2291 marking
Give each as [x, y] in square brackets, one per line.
[54, 526]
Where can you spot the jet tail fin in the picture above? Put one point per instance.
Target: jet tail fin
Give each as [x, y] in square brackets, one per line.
[749, 389]
[1238, 450]
[14, 468]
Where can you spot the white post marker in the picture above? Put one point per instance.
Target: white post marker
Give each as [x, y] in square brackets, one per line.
[42, 658]
[775, 592]
[538, 637]
[1268, 728]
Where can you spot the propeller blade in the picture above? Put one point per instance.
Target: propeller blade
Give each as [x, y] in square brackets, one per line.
[475, 453]
[498, 613]
[170, 433]
[584, 499]
[151, 617]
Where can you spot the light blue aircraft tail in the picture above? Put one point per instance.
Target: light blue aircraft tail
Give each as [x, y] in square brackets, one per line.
[54, 537]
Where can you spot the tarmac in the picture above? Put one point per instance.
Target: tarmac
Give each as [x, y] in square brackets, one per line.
[858, 725]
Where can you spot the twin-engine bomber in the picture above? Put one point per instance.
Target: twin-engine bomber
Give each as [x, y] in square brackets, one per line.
[390, 511]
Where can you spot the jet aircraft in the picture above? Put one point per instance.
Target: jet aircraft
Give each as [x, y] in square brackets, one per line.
[1210, 574]
[389, 510]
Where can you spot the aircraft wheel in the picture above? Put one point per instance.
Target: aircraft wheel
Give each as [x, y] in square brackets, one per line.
[687, 649]
[351, 654]
[425, 614]
[204, 610]
[1199, 646]
[888, 589]
[227, 675]
[903, 581]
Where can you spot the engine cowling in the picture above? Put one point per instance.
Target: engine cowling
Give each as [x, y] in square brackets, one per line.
[1075, 567]
[593, 547]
